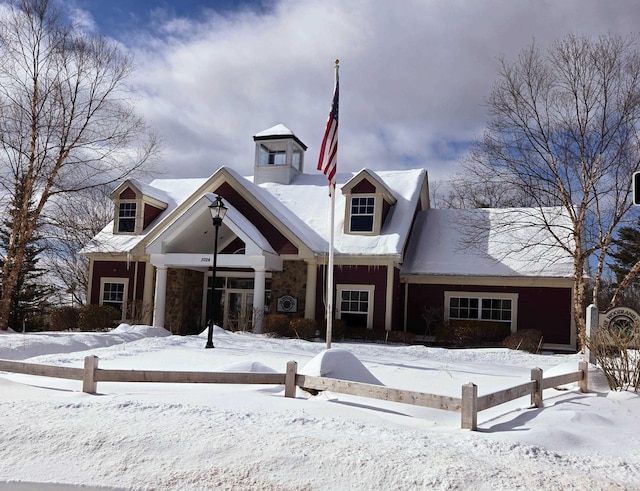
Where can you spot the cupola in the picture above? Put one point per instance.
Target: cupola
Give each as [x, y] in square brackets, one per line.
[279, 155]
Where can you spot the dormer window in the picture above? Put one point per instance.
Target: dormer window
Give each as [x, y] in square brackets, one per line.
[127, 217]
[134, 209]
[362, 214]
[368, 201]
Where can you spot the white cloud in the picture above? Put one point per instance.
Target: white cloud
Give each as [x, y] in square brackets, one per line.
[414, 75]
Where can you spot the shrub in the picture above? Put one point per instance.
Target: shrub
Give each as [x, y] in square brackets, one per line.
[139, 311]
[470, 332]
[616, 352]
[276, 323]
[303, 328]
[64, 318]
[400, 337]
[338, 329]
[526, 340]
[98, 317]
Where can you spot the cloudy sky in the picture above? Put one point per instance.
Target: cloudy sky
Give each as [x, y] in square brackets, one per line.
[414, 74]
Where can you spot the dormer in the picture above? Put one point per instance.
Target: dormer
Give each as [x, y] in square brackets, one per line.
[136, 205]
[279, 155]
[367, 204]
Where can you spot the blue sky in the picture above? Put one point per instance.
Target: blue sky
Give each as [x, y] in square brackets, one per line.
[117, 18]
[414, 74]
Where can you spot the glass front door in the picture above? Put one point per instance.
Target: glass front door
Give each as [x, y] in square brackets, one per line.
[238, 310]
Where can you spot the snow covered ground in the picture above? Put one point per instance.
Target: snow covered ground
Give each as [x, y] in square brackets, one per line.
[179, 436]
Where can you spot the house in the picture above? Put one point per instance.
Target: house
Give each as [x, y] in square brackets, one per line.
[394, 257]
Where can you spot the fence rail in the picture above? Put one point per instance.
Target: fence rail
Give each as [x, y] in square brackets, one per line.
[469, 404]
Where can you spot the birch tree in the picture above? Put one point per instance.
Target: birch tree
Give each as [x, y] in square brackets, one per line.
[563, 129]
[66, 120]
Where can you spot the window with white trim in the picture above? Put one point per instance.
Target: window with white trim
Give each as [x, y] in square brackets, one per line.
[127, 217]
[362, 213]
[113, 292]
[355, 305]
[482, 306]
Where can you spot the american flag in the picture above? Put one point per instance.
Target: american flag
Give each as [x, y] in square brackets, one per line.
[328, 161]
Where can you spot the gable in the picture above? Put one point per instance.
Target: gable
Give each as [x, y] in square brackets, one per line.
[363, 187]
[128, 193]
[278, 241]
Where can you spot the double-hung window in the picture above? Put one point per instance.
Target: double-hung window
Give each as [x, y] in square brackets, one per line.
[127, 217]
[355, 305]
[114, 294]
[362, 213]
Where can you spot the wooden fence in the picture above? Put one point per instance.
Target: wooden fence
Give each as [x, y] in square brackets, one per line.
[469, 404]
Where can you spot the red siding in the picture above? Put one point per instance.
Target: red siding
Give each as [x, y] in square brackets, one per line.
[150, 214]
[236, 244]
[118, 269]
[363, 187]
[128, 194]
[355, 275]
[545, 309]
[278, 241]
[385, 210]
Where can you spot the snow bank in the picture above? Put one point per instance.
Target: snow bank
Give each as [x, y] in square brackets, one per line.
[339, 364]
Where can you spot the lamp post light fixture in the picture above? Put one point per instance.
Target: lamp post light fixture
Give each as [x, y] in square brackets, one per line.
[218, 211]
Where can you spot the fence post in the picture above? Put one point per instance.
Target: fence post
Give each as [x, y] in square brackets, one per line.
[469, 409]
[591, 325]
[89, 384]
[290, 379]
[583, 383]
[536, 395]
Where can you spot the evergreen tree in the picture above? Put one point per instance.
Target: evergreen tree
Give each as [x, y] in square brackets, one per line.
[627, 251]
[30, 299]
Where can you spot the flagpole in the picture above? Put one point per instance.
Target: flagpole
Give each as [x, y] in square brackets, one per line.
[327, 164]
[330, 273]
[331, 240]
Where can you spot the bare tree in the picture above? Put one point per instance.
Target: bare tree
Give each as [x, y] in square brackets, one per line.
[563, 130]
[71, 224]
[66, 120]
[477, 189]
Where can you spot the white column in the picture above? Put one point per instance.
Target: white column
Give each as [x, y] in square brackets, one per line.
[160, 298]
[310, 296]
[258, 300]
[147, 294]
[388, 318]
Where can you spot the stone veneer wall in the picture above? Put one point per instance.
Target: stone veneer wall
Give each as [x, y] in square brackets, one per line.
[183, 313]
[292, 280]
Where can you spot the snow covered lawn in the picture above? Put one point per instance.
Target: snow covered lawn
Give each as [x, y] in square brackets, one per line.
[179, 436]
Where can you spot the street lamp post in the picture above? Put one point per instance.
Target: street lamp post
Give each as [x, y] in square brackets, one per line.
[218, 211]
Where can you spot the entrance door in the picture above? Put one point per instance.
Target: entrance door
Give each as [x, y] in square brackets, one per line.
[238, 312]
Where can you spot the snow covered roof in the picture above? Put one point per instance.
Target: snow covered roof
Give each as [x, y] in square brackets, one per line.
[489, 242]
[277, 130]
[170, 191]
[305, 201]
[303, 206]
